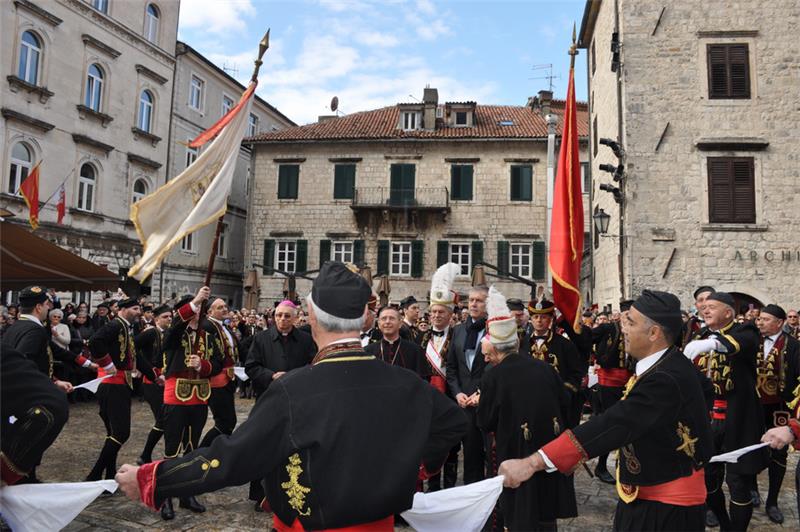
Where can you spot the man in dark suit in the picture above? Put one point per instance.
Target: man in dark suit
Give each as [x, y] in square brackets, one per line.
[395, 350]
[465, 367]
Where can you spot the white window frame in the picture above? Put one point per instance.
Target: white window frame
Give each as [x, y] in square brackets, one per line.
[145, 116]
[227, 108]
[342, 251]
[138, 196]
[466, 118]
[191, 154]
[584, 168]
[101, 6]
[518, 249]
[286, 255]
[151, 22]
[93, 99]
[400, 259]
[87, 187]
[30, 75]
[411, 120]
[252, 125]
[222, 242]
[196, 92]
[457, 256]
[19, 169]
[187, 245]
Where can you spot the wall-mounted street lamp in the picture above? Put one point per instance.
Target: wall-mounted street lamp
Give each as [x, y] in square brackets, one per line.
[601, 220]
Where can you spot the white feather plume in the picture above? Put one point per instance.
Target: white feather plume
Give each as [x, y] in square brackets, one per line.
[496, 304]
[444, 277]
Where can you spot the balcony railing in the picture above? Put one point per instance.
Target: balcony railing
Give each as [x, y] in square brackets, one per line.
[420, 198]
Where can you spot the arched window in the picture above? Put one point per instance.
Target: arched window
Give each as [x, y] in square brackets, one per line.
[94, 88]
[21, 163]
[145, 111]
[30, 53]
[139, 190]
[151, 23]
[86, 184]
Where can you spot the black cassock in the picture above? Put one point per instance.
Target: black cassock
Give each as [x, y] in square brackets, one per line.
[402, 353]
[523, 403]
[563, 356]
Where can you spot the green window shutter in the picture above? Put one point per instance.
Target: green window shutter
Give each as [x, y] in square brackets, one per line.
[455, 182]
[527, 183]
[502, 255]
[521, 183]
[401, 188]
[383, 257]
[539, 260]
[442, 252]
[417, 258]
[324, 251]
[358, 252]
[344, 181]
[301, 264]
[269, 257]
[288, 176]
[477, 252]
[461, 182]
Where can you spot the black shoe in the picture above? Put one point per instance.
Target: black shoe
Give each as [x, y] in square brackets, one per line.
[167, 512]
[756, 498]
[775, 515]
[258, 508]
[711, 519]
[604, 476]
[191, 504]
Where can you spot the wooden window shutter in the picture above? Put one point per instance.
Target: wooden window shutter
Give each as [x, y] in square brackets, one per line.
[324, 251]
[269, 257]
[720, 190]
[539, 260]
[728, 71]
[739, 65]
[358, 252]
[417, 258]
[301, 264]
[502, 255]
[744, 194]
[442, 252]
[477, 252]
[344, 181]
[383, 257]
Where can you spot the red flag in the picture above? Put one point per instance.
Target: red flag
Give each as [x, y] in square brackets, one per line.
[566, 229]
[214, 130]
[30, 192]
[61, 206]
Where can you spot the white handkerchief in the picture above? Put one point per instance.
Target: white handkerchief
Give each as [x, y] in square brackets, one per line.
[92, 385]
[733, 456]
[239, 372]
[46, 507]
[465, 508]
[593, 378]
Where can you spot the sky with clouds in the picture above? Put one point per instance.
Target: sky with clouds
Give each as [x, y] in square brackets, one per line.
[373, 53]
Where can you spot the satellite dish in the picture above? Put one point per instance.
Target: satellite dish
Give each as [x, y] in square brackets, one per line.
[334, 103]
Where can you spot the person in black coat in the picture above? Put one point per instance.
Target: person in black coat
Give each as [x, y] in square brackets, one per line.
[465, 367]
[395, 350]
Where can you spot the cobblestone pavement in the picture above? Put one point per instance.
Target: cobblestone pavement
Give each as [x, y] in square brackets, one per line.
[73, 454]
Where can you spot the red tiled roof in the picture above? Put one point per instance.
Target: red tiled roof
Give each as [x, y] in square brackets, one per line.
[381, 124]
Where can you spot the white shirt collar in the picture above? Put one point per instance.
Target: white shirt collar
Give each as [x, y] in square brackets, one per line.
[773, 337]
[344, 341]
[31, 317]
[648, 362]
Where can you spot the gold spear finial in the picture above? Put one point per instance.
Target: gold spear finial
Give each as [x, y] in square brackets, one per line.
[573, 49]
[262, 47]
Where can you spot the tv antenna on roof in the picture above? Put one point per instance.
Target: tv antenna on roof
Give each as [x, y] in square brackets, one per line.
[549, 77]
[232, 70]
[334, 106]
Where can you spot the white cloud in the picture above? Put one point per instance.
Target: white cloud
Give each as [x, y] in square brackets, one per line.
[375, 38]
[426, 6]
[216, 16]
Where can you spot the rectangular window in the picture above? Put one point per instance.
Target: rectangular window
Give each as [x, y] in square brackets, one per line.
[520, 259]
[461, 254]
[227, 104]
[191, 155]
[594, 58]
[400, 259]
[85, 194]
[594, 136]
[728, 71]
[586, 178]
[411, 120]
[342, 251]
[222, 242]
[461, 118]
[731, 190]
[521, 182]
[187, 244]
[196, 93]
[461, 182]
[401, 190]
[252, 125]
[288, 177]
[344, 181]
[286, 256]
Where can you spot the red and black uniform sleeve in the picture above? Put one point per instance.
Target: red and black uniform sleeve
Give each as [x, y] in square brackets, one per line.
[743, 338]
[791, 390]
[103, 344]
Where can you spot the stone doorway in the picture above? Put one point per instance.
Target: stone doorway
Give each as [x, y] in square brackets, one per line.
[743, 302]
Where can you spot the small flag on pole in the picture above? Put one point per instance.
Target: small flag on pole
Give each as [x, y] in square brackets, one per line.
[61, 206]
[30, 192]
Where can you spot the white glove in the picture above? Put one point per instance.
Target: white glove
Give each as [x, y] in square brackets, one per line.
[697, 347]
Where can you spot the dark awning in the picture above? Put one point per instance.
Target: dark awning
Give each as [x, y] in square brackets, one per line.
[27, 259]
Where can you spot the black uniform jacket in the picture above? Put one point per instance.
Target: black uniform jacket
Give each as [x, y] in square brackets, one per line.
[114, 343]
[180, 341]
[407, 355]
[268, 355]
[150, 343]
[660, 427]
[33, 341]
[460, 378]
[338, 443]
[563, 356]
[791, 367]
[609, 349]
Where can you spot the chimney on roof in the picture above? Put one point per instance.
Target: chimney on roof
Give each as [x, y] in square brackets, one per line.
[544, 100]
[430, 100]
[325, 118]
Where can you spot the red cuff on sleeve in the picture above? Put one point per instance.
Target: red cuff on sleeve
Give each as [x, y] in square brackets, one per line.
[185, 312]
[205, 368]
[565, 452]
[80, 360]
[425, 473]
[794, 426]
[103, 362]
[146, 477]
[9, 473]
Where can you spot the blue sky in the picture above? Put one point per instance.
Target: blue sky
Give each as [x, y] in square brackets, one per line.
[373, 53]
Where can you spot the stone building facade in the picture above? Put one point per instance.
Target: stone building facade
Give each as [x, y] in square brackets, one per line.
[86, 93]
[203, 93]
[704, 98]
[401, 190]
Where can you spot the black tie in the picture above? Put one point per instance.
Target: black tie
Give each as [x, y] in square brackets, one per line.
[437, 333]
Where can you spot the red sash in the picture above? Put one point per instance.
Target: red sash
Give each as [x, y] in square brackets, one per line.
[381, 525]
[685, 491]
[614, 377]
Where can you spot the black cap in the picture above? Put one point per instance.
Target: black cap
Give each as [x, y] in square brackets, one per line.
[128, 303]
[147, 308]
[515, 304]
[408, 301]
[543, 306]
[161, 309]
[340, 292]
[182, 301]
[661, 307]
[774, 310]
[722, 297]
[625, 304]
[704, 288]
[32, 295]
[103, 305]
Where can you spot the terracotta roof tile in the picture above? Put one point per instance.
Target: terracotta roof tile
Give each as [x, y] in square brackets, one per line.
[381, 124]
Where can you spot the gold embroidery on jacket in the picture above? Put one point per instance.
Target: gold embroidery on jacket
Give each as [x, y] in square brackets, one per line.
[687, 442]
[294, 490]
